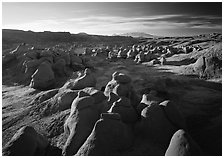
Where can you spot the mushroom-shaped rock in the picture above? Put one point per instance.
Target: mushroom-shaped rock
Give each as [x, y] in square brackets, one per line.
[159, 122]
[87, 80]
[120, 85]
[43, 77]
[109, 136]
[182, 144]
[126, 111]
[80, 122]
[26, 142]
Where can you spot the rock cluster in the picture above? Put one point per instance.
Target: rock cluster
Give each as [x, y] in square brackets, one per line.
[106, 123]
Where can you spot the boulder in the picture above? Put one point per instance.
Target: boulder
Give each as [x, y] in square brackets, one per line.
[43, 77]
[46, 53]
[148, 100]
[112, 55]
[87, 80]
[159, 122]
[139, 58]
[46, 95]
[53, 151]
[75, 59]
[112, 98]
[80, 122]
[149, 56]
[109, 136]
[47, 58]
[119, 85]
[26, 142]
[60, 67]
[31, 66]
[124, 108]
[153, 62]
[130, 54]
[213, 67]
[67, 59]
[88, 62]
[32, 54]
[200, 65]
[65, 99]
[122, 54]
[8, 58]
[87, 51]
[14, 54]
[182, 144]
[162, 60]
[96, 94]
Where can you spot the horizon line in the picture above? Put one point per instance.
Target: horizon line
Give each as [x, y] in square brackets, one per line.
[114, 34]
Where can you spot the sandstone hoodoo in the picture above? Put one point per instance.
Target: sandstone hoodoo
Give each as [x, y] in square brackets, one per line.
[80, 122]
[91, 95]
[109, 137]
[43, 77]
[87, 80]
[26, 142]
[123, 107]
[182, 144]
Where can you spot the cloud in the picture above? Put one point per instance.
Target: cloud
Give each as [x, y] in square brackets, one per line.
[104, 24]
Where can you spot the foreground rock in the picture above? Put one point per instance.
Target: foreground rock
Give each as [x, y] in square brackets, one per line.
[87, 80]
[43, 78]
[109, 137]
[80, 122]
[26, 142]
[159, 122]
[182, 144]
[126, 111]
[121, 85]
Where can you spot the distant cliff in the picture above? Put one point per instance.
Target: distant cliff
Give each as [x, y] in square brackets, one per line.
[12, 37]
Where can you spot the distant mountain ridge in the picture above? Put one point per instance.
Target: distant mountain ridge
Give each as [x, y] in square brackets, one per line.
[138, 35]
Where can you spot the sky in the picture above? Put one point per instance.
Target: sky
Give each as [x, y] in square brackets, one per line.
[108, 18]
